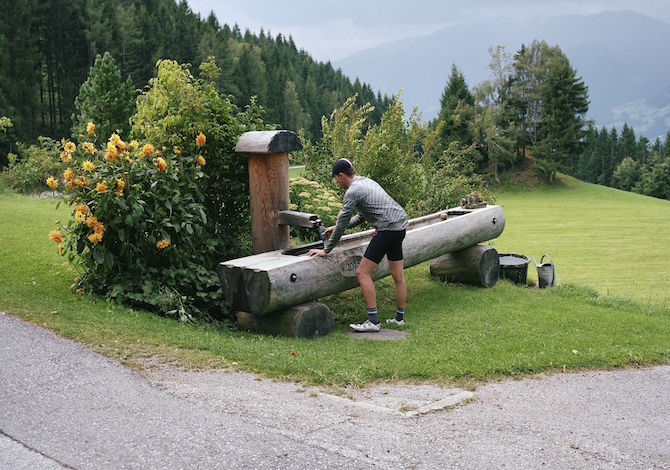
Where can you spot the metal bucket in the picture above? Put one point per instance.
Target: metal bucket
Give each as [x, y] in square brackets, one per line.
[546, 273]
[514, 267]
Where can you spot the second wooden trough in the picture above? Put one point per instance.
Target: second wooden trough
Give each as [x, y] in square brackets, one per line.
[276, 280]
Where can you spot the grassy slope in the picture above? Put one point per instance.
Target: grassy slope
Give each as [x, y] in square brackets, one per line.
[615, 241]
[457, 333]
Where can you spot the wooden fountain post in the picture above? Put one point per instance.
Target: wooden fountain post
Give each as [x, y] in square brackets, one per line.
[268, 185]
[269, 194]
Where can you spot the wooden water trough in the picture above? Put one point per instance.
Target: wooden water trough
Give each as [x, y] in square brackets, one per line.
[276, 280]
[274, 290]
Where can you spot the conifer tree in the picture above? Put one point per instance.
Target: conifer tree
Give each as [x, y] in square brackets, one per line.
[456, 110]
[104, 99]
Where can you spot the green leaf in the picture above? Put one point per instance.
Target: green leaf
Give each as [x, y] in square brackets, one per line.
[98, 255]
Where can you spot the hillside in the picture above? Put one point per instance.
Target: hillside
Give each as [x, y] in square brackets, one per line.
[44, 59]
[597, 236]
[619, 55]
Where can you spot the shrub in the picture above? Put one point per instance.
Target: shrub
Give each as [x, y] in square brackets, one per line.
[173, 109]
[28, 170]
[139, 230]
[310, 196]
[403, 156]
[152, 218]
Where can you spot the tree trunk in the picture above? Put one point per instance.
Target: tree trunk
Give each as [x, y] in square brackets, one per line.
[477, 266]
[272, 281]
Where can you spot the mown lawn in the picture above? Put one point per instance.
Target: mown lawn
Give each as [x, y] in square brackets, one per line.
[614, 241]
[457, 333]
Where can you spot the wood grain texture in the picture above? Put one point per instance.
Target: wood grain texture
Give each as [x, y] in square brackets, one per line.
[477, 265]
[269, 194]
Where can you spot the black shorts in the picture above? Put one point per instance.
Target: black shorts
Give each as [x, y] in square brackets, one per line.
[385, 243]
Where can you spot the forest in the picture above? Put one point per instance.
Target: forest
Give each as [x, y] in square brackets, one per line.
[58, 57]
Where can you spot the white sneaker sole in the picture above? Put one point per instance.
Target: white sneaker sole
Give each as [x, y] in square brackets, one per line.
[365, 329]
[393, 321]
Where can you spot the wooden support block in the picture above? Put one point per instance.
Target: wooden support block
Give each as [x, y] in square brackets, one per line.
[308, 320]
[478, 265]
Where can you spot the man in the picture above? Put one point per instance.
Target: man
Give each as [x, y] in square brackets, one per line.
[376, 207]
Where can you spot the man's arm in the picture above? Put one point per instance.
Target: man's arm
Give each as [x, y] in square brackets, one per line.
[343, 219]
[355, 221]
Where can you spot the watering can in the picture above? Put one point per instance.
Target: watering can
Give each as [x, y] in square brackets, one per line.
[546, 273]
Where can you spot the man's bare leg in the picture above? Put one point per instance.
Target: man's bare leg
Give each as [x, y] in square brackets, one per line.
[398, 274]
[364, 275]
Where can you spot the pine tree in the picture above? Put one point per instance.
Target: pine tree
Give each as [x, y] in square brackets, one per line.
[456, 110]
[564, 104]
[104, 99]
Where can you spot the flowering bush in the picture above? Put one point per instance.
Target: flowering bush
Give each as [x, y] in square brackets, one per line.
[139, 228]
[154, 216]
[28, 170]
[310, 196]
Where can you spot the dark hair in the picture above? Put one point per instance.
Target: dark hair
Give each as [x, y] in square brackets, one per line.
[343, 165]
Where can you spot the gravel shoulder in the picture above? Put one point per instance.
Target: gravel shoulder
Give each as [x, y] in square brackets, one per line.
[66, 406]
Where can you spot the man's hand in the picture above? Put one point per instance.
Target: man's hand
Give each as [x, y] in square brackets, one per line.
[314, 252]
[329, 230]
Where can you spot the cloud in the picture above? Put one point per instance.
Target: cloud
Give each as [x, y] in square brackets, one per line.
[334, 30]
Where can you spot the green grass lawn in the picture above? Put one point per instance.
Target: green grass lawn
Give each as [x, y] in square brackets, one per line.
[614, 241]
[457, 333]
[296, 170]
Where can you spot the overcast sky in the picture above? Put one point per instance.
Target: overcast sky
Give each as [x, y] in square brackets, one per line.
[334, 30]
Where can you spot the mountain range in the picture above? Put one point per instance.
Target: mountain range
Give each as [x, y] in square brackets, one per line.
[621, 55]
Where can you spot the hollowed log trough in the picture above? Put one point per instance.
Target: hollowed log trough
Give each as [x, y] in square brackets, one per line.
[277, 280]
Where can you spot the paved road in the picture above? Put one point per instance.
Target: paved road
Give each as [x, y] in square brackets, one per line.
[63, 406]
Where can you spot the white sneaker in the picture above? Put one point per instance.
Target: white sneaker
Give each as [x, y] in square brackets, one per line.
[393, 321]
[367, 325]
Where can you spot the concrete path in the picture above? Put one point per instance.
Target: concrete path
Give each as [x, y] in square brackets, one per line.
[63, 406]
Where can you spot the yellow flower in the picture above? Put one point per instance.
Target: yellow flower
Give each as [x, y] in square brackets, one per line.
[69, 147]
[293, 207]
[60, 248]
[128, 159]
[305, 195]
[56, 236]
[101, 187]
[162, 244]
[88, 165]
[200, 161]
[148, 150]
[134, 144]
[65, 157]
[90, 128]
[80, 290]
[116, 141]
[88, 147]
[95, 238]
[71, 183]
[176, 150]
[120, 184]
[80, 213]
[68, 174]
[200, 140]
[161, 165]
[111, 154]
[52, 182]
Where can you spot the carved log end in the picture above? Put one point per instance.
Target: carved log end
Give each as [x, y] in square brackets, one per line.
[478, 265]
[308, 320]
